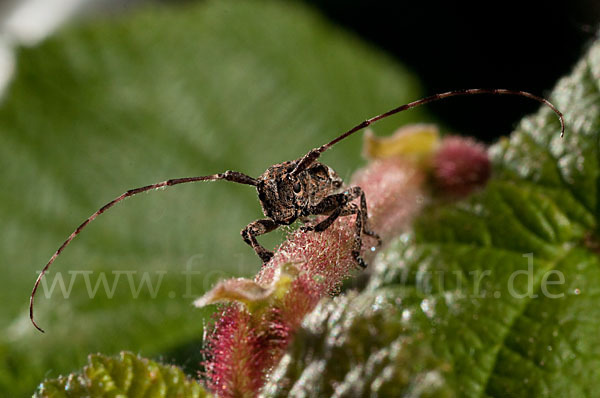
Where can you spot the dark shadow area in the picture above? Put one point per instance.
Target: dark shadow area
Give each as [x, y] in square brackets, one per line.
[524, 45]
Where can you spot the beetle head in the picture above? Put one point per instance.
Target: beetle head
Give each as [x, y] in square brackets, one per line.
[284, 197]
[315, 183]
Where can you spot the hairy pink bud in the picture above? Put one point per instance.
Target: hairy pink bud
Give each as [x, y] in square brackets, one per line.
[251, 334]
[460, 165]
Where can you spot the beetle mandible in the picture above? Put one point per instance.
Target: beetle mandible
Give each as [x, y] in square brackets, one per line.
[299, 188]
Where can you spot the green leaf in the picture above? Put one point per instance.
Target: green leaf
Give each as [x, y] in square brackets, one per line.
[114, 104]
[125, 376]
[494, 296]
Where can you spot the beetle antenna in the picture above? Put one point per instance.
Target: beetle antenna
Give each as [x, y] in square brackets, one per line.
[232, 176]
[311, 156]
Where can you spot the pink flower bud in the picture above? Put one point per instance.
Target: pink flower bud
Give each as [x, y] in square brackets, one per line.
[460, 165]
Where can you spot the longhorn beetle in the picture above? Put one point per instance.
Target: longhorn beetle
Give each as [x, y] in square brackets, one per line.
[297, 189]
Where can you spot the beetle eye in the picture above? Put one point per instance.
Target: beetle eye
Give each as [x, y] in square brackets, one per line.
[297, 187]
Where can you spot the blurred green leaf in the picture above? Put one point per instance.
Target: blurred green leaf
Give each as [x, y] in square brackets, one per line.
[125, 376]
[114, 104]
[495, 296]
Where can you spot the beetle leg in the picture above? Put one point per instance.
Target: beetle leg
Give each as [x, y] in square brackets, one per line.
[254, 229]
[326, 223]
[353, 209]
[332, 205]
[365, 219]
[340, 205]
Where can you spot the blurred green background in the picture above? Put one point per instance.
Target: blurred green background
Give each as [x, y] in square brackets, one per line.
[121, 102]
[158, 91]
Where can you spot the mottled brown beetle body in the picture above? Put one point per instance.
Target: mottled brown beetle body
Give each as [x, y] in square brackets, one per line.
[284, 197]
[294, 189]
[287, 193]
